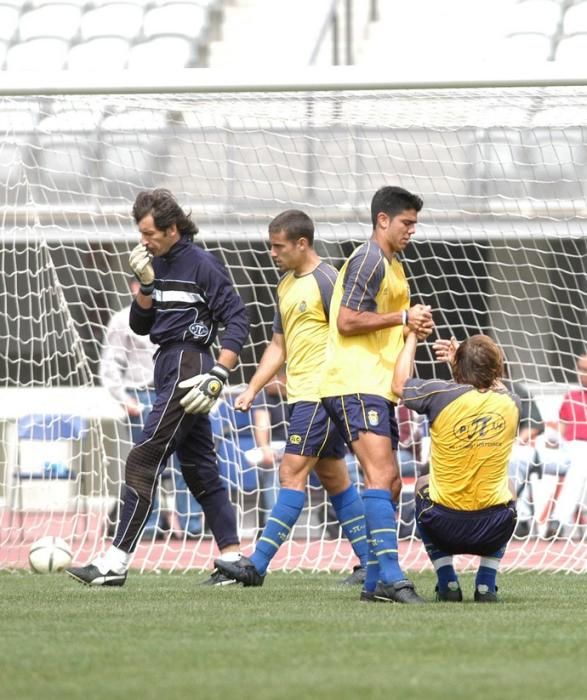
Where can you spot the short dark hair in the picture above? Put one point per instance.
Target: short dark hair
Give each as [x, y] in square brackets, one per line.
[392, 201]
[295, 224]
[478, 361]
[165, 210]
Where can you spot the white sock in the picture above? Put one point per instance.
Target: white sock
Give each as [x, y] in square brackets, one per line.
[230, 556]
[113, 559]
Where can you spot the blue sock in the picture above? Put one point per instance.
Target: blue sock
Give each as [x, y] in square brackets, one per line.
[487, 572]
[372, 573]
[350, 512]
[282, 518]
[441, 561]
[381, 524]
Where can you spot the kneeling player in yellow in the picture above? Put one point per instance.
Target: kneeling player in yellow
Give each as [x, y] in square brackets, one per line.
[300, 331]
[465, 505]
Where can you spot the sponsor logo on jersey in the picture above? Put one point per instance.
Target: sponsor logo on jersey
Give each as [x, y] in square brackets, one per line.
[480, 428]
[198, 330]
[373, 418]
[302, 307]
[295, 439]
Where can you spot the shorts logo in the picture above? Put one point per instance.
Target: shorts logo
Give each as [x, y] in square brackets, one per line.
[373, 418]
[198, 330]
[480, 428]
[295, 439]
[302, 307]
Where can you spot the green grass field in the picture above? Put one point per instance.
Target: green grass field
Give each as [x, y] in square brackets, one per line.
[300, 636]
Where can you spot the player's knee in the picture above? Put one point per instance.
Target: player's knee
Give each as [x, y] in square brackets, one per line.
[141, 470]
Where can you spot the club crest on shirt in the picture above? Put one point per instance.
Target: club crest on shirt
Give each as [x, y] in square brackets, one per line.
[198, 330]
[373, 418]
[295, 439]
[302, 307]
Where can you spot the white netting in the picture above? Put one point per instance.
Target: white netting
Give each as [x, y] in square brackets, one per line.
[500, 249]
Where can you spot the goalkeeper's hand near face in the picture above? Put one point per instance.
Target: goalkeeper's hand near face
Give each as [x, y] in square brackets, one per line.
[140, 263]
[204, 390]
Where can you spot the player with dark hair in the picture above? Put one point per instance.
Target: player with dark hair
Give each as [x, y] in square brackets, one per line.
[369, 316]
[465, 505]
[185, 295]
[300, 331]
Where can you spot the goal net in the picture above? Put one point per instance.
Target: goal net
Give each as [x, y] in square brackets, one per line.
[500, 249]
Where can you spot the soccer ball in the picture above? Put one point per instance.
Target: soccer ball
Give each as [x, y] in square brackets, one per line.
[49, 554]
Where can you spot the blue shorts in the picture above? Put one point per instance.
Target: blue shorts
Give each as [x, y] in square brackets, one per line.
[481, 532]
[311, 433]
[363, 413]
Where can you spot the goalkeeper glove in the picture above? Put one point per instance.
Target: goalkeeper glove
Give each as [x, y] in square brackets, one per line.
[204, 390]
[140, 263]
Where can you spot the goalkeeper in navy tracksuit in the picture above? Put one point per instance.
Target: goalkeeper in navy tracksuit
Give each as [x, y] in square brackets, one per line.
[186, 294]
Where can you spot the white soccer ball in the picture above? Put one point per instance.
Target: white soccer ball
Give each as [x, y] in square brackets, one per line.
[49, 554]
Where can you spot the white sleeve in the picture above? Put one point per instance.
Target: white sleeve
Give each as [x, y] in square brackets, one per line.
[114, 360]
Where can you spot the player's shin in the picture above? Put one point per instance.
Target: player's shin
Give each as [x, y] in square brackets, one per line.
[350, 512]
[381, 525]
[281, 520]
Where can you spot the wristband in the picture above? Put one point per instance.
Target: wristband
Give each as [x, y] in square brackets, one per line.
[404, 318]
[147, 289]
[220, 371]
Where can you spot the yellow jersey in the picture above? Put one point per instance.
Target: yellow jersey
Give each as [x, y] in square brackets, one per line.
[363, 364]
[303, 304]
[471, 435]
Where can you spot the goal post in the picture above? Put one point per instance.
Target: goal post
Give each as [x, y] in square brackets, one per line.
[500, 248]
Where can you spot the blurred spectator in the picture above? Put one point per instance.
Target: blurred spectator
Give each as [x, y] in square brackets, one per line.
[525, 460]
[126, 370]
[270, 416]
[573, 428]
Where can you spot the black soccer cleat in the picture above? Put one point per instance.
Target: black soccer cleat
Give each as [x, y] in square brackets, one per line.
[482, 595]
[242, 570]
[90, 575]
[356, 578]
[217, 578]
[398, 592]
[450, 595]
[367, 597]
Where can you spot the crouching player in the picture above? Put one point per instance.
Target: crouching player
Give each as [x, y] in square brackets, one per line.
[465, 505]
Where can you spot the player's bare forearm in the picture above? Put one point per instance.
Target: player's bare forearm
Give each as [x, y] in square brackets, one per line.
[351, 322]
[404, 365]
[227, 358]
[271, 362]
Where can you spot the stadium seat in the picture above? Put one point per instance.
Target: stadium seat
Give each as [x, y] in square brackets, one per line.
[58, 20]
[43, 53]
[100, 3]
[17, 129]
[133, 144]
[179, 18]
[525, 48]
[572, 49]
[114, 19]
[575, 19]
[162, 52]
[99, 54]
[533, 16]
[41, 3]
[8, 22]
[44, 475]
[68, 146]
[502, 164]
